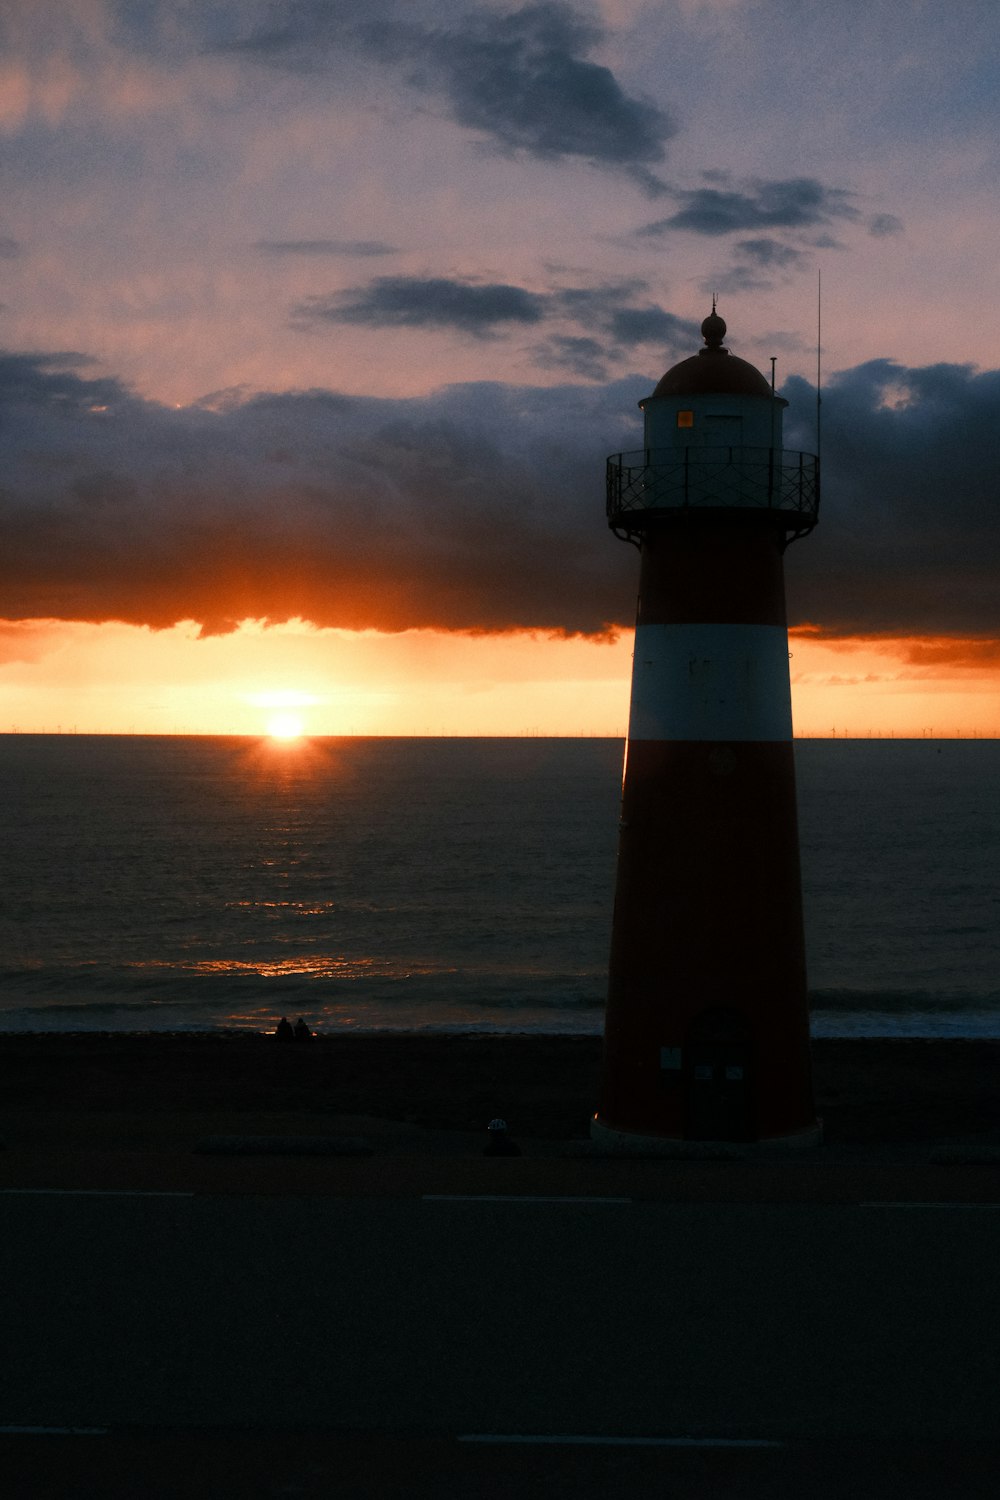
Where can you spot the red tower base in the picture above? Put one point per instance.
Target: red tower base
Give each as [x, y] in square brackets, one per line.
[707, 1035]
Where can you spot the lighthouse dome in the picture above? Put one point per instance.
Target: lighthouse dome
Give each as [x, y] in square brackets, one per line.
[713, 370]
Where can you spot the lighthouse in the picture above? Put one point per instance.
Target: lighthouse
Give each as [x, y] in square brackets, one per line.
[707, 1026]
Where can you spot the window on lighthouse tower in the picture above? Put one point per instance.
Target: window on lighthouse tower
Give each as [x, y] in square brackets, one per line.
[685, 419]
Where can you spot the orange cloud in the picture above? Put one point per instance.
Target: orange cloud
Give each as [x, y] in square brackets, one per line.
[960, 654]
[957, 653]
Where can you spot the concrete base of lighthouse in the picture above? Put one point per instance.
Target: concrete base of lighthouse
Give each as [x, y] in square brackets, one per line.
[617, 1142]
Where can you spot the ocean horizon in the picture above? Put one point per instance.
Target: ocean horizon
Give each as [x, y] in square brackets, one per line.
[193, 883]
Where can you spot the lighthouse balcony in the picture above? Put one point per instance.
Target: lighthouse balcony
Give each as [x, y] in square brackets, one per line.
[651, 481]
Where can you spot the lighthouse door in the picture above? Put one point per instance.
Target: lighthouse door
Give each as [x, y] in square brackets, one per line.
[717, 1078]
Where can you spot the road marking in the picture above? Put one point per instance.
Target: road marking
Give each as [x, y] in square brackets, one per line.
[88, 1193]
[514, 1198]
[54, 1431]
[618, 1442]
[919, 1203]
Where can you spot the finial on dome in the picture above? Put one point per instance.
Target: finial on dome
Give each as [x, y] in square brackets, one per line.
[713, 330]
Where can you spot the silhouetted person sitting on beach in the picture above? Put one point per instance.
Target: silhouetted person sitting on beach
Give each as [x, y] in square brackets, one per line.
[283, 1031]
[498, 1142]
[302, 1032]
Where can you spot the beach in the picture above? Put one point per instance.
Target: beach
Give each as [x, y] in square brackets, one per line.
[147, 1090]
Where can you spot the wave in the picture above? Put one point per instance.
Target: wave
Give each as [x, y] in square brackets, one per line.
[510, 985]
[247, 1006]
[898, 1002]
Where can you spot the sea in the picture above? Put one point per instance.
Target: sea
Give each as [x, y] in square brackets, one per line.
[182, 884]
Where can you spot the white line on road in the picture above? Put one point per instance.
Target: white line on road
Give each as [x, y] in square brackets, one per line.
[618, 1442]
[514, 1198]
[918, 1203]
[53, 1431]
[88, 1193]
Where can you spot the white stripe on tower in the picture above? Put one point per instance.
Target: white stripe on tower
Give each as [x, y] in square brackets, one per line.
[710, 682]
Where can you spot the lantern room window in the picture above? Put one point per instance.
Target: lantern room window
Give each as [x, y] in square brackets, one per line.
[685, 419]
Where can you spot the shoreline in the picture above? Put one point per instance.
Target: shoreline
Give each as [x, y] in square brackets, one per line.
[867, 1089]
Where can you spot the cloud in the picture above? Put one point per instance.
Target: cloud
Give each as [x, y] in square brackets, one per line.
[609, 306]
[522, 80]
[623, 329]
[22, 641]
[884, 224]
[798, 209]
[324, 247]
[585, 357]
[757, 264]
[974, 655]
[425, 302]
[10, 249]
[907, 542]
[479, 507]
[482, 310]
[770, 254]
[789, 203]
[50, 380]
[652, 325]
[296, 34]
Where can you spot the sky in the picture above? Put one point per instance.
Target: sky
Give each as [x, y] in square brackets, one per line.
[319, 318]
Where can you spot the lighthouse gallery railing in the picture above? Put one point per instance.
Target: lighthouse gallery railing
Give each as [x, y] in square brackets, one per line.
[674, 478]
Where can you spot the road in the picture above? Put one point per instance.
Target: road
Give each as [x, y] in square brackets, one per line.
[747, 1332]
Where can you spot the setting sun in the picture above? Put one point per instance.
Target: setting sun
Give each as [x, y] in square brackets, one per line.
[285, 727]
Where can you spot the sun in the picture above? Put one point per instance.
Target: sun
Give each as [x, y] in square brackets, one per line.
[285, 727]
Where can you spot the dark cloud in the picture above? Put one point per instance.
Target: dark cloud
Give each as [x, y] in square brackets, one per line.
[826, 242]
[484, 309]
[793, 203]
[426, 302]
[609, 308]
[622, 329]
[50, 380]
[585, 357]
[479, 507]
[596, 301]
[798, 209]
[883, 224]
[10, 249]
[524, 81]
[770, 254]
[298, 34]
[652, 325]
[324, 247]
[521, 79]
[757, 264]
[908, 541]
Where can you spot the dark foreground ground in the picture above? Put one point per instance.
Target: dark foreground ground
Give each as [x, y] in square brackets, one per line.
[154, 1086]
[248, 1269]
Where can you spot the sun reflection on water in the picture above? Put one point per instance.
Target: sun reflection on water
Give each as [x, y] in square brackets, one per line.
[321, 965]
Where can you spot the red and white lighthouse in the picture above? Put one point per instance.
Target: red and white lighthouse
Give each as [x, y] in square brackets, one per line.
[707, 1027]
